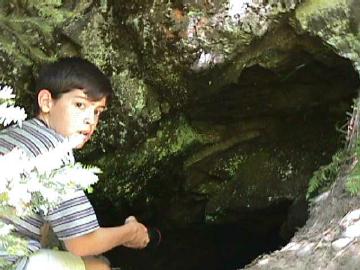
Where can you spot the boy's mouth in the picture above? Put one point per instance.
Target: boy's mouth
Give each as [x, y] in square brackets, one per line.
[87, 135]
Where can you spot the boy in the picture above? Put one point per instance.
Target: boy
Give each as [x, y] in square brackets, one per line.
[71, 95]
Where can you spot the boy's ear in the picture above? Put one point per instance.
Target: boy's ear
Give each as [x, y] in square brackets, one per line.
[45, 100]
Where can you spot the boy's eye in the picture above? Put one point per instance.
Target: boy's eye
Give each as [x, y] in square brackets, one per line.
[80, 105]
[98, 112]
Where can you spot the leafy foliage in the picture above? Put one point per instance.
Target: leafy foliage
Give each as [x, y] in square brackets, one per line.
[326, 175]
[353, 182]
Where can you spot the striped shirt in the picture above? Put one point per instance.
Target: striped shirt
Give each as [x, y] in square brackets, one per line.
[73, 217]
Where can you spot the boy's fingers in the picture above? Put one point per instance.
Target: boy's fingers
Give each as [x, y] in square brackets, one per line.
[130, 219]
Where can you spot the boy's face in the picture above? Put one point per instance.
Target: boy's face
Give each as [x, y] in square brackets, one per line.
[73, 113]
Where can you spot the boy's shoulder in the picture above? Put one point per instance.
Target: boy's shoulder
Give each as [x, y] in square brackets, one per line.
[33, 137]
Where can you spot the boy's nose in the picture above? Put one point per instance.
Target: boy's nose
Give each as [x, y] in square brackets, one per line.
[88, 121]
[89, 118]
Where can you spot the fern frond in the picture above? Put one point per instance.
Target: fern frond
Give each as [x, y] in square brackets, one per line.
[326, 175]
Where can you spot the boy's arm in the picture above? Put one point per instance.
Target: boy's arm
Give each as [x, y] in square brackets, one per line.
[132, 234]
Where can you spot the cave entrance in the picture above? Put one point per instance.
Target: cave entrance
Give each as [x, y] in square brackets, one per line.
[255, 206]
[210, 246]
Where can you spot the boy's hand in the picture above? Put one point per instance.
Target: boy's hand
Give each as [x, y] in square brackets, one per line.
[139, 237]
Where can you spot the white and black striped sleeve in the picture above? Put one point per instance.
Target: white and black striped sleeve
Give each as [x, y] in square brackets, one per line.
[74, 217]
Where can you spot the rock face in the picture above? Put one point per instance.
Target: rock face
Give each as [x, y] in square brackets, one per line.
[223, 109]
[329, 240]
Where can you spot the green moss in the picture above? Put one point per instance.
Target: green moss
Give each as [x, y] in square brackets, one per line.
[308, 9]
[51, 10]
[332, 21]
[328, 19]
[102, 45]
[209, 188]
[97, 42]
[167, 77]
[233, 165]
[172, 138]
[137, 98]
[131, 172]
[218, 147]
[215, 217]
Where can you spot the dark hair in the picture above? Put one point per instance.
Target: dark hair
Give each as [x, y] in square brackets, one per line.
[71, 73]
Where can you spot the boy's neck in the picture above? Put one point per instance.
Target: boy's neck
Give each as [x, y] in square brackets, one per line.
[42, 119]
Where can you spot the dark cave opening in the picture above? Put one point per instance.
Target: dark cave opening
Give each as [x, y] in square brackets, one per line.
[211, 247]
[301, 114]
